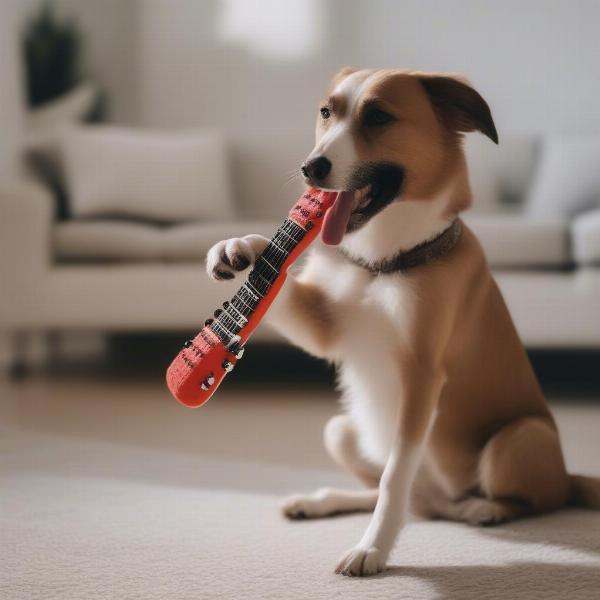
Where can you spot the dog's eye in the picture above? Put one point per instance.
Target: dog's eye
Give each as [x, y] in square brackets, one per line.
[376, 117]
[325, 112]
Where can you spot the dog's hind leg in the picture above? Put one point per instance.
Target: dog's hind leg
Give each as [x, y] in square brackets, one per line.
[521, 471]
[430, 501]
[475, 510]
[341, 442]
[523, 462]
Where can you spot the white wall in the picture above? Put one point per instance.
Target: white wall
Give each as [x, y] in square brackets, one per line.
[536, 61]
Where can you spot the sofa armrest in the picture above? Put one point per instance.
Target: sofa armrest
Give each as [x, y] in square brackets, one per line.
[25, 254]
[585, 232]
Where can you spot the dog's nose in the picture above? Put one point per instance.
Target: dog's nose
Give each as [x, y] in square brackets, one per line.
[316, 169]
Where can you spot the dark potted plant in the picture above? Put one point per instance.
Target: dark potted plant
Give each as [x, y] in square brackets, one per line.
[51, 51]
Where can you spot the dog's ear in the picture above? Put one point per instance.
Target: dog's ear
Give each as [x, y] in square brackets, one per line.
[459, 106]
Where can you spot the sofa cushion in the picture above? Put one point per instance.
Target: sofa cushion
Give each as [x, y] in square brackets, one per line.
[567, 180]
[515, 240]
[585, 231]
[126, 241]
[499, 174]
[167, 177]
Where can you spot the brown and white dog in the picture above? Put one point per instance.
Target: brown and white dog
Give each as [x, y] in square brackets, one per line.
[443, 413]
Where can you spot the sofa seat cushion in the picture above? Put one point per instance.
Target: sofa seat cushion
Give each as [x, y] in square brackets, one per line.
[516, 240]
[127, 241]
[585, 232]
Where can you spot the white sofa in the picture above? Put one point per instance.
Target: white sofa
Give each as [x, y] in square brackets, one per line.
[105, 275]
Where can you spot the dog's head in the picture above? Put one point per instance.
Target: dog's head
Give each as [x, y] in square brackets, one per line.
[385, 135]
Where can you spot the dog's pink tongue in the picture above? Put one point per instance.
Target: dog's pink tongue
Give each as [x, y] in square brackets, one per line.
[336, 219]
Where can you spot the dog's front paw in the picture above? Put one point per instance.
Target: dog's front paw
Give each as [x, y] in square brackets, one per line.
[227, 257]
[361, 562]
[308, 506]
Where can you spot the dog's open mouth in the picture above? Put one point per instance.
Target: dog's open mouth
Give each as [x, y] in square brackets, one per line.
[370, 189]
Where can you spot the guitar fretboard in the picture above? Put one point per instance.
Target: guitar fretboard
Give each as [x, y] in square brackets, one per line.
[234, 315]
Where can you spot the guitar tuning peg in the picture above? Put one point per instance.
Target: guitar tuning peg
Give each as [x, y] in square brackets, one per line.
[207, 382]
[218, 312]
[208, 322]
[236, 350]
[228, 366]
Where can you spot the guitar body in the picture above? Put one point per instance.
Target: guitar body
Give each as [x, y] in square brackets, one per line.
[203, 362]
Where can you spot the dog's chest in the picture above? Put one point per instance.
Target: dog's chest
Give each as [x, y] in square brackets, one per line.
[375, 313]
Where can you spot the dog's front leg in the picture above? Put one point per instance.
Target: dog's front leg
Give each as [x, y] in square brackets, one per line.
[421, 389]
[303, 314]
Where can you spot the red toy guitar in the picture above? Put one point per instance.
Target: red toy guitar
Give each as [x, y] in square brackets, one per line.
[203, 362]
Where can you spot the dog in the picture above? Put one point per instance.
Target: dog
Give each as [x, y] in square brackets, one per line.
[443, 414]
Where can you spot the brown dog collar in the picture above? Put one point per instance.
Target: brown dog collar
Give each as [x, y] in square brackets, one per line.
[423, 253]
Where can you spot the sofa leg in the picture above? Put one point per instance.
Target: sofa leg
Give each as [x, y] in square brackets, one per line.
[19, 366]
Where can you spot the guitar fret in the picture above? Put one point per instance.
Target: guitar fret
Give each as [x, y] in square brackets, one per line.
[278, 247]
[244, 297]
[292, 229]
[228, 323]
[222, 333]
[288, 235]
[264, 258]
[255, 273]
[256, 294]
[296, 229]
[241, 306]
[231, 305]
[269, 276]
[282, 246]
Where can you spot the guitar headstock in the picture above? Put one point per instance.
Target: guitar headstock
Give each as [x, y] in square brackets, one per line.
[311, 207]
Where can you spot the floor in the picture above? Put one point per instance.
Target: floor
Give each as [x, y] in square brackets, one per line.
[110, 489]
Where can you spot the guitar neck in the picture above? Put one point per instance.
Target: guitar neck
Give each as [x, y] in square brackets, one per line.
[235, 321]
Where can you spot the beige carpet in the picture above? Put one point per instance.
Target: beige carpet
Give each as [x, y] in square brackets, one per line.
[111, 490]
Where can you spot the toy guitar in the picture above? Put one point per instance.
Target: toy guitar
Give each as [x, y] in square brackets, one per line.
[201, 365]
